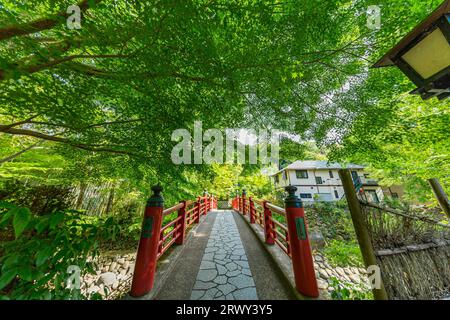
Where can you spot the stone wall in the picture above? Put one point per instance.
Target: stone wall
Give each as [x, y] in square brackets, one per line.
[114, 271]
[346, 275]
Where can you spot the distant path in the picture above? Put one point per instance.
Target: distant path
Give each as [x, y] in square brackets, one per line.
[224, 271]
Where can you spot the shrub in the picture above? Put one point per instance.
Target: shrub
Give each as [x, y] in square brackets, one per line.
[343, 253]
[34, 264]
[40, 199]
[349, 291]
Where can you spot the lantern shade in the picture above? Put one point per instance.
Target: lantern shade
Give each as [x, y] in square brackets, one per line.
[430, 56]
[424, 55]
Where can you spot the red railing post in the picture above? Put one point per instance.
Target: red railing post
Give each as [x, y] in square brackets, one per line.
[268, 224]
[198, 206]
[205, 202]
[244, 201]
[144, 270]
[302, 261]
[181, 223]
[252, 210]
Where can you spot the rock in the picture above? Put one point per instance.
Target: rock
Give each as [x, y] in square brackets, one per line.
[126, 265]
[221, 280]
[318, 258]
[115, 285]
[316, 239]
[321, 284]
[207, 275]
[323, 273]
[354, 278]
[241, 281]
[348, 271]
[340, 271]
[107, 278]
[93, 289]
[121, 261]
[113, 267]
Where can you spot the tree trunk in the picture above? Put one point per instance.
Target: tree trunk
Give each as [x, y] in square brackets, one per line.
[80, 199]
[110, 200]
[441, 196]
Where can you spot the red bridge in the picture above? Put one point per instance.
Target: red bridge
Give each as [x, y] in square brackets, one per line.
[224, 254]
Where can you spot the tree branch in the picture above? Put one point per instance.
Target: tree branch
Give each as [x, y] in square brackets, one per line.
[4, 128]
[15, 155]
[40, 24]
[44, 136]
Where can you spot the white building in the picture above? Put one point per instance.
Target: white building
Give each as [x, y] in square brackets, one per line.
[319, 181]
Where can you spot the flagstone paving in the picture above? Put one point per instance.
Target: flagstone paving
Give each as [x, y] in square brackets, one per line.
[224, 270]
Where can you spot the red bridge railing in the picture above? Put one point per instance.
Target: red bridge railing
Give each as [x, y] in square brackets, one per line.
[290, 234]
[157, 239]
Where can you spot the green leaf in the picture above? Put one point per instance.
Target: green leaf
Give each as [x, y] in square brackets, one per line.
[6, 205]
[43, 256]
[21, 219]
[26, 273]
[10, 262]
[41, 225]
[56, 219]
[8, 215]
[6, 278]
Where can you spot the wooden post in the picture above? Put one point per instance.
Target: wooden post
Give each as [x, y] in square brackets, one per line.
[181, 223]
[197, 211]
[440, 195]
[244, 201]
[252, 210]
[362, 234]
[268, 225]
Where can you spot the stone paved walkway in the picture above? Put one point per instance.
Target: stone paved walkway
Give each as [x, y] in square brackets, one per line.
[224, 271]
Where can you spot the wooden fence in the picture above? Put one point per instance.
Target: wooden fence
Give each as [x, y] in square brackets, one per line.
[412, 250]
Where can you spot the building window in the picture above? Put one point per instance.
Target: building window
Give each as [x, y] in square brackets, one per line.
[301, 174]
[305, 195]
[331, 174]
[277, 180]
[336, 194]
[319, 180]
[372, 196]
[284, 175]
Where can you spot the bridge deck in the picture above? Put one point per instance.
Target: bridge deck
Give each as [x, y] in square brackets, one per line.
[225, 260]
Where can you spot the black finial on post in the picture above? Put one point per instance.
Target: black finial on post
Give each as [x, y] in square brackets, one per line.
[156, 200]
[205, 192]
[292, 200]
[244, 193]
